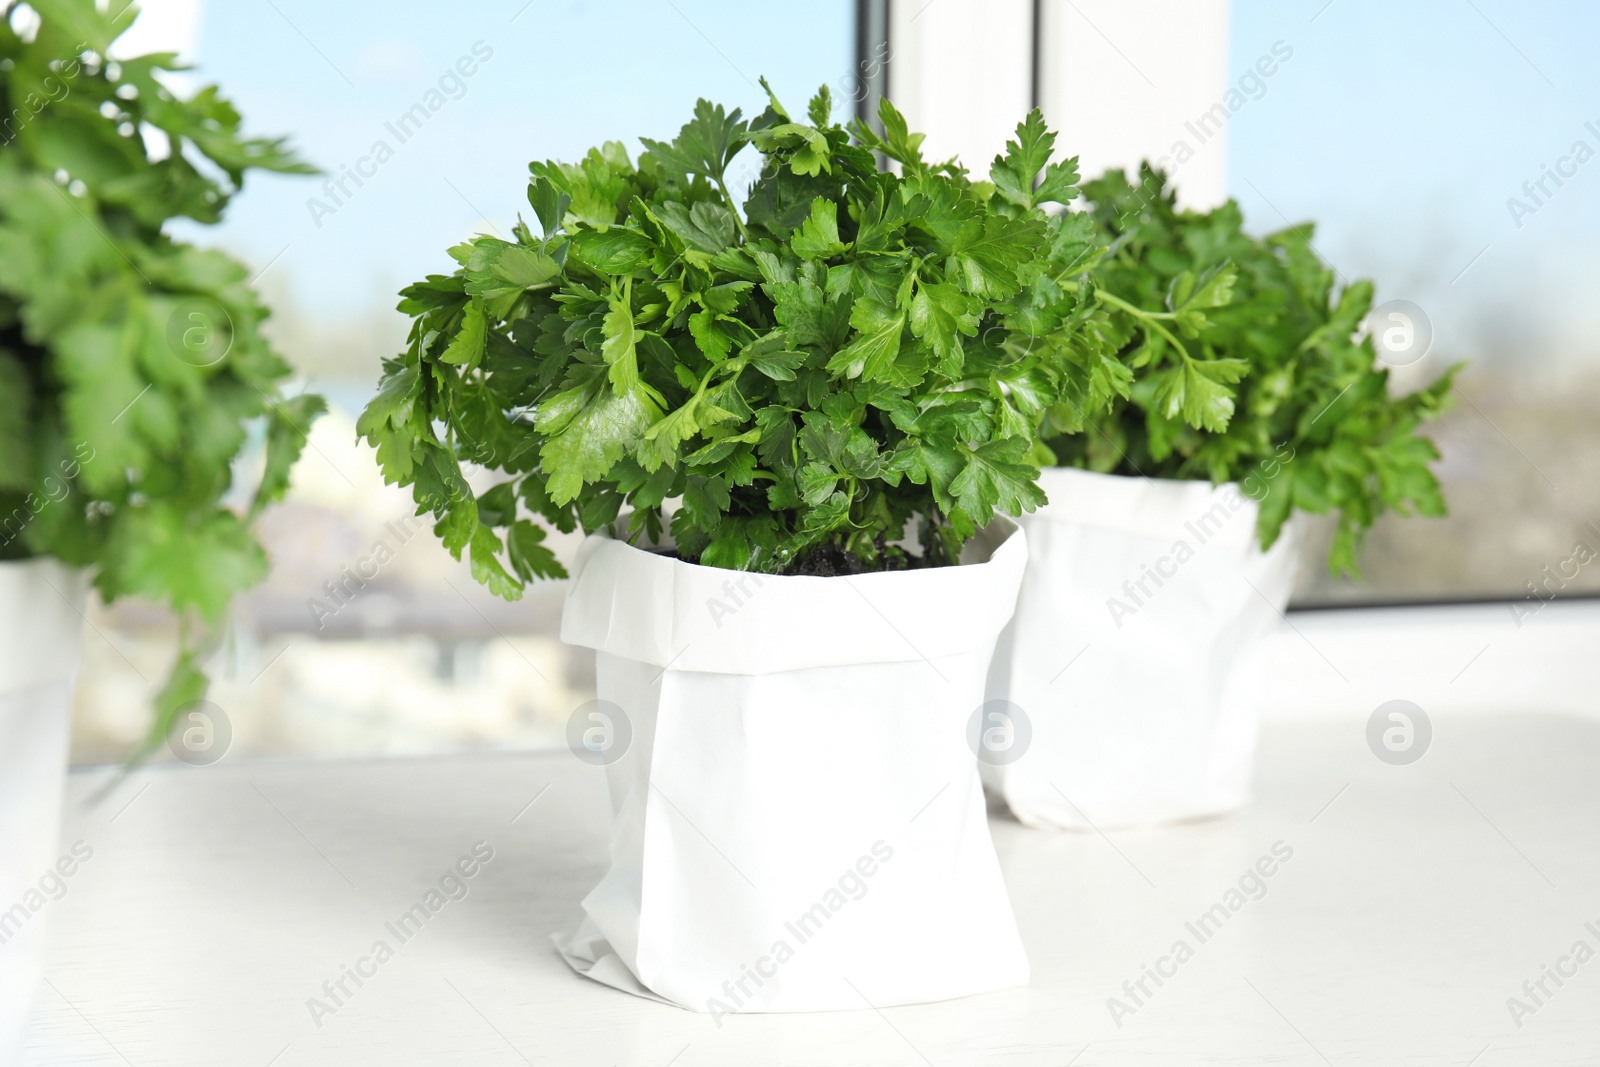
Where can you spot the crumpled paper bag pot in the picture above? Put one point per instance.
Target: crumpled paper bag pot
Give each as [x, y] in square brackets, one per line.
[799, 823]
[41, 628]
[1129, 656]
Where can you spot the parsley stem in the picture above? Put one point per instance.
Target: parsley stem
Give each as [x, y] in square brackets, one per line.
[1150, 318]
[1132, 308]
[737, 221]
[1164, 332]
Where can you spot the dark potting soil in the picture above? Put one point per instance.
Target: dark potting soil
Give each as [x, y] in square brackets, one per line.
[830, 561]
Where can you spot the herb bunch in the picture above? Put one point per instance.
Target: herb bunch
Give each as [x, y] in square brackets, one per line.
[1251, 371]
[131, 364]
[845, 375]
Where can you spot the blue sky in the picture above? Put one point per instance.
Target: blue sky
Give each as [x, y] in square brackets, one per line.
[563, 76]
[1401, 127]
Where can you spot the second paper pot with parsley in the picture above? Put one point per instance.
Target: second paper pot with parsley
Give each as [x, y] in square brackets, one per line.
[1234, 390]
[791, 429]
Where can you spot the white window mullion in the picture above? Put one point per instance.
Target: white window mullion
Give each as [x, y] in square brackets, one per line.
[961, 71]
[1129, 80]
[1121, 81]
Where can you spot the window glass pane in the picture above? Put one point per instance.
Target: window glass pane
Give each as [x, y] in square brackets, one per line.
[1448, 151]
[424, 115]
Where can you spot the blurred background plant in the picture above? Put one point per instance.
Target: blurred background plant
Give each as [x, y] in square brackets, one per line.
[132, 365]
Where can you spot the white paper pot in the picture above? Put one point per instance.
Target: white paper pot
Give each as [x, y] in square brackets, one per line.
[799, 823]
[1140, 701]
[41, 628]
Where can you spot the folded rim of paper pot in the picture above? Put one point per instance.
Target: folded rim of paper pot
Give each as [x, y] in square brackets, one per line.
[1158, 507]
[660, 610]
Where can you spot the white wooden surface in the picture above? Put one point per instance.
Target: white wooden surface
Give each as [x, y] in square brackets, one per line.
[1418, 899]
[1473, 658]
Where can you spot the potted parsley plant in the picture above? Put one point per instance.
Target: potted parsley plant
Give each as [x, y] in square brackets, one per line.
[791, 428]
[131, 367]
[1249, 394]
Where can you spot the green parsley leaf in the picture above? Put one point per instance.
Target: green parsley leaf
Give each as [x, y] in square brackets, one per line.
[818, 236]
